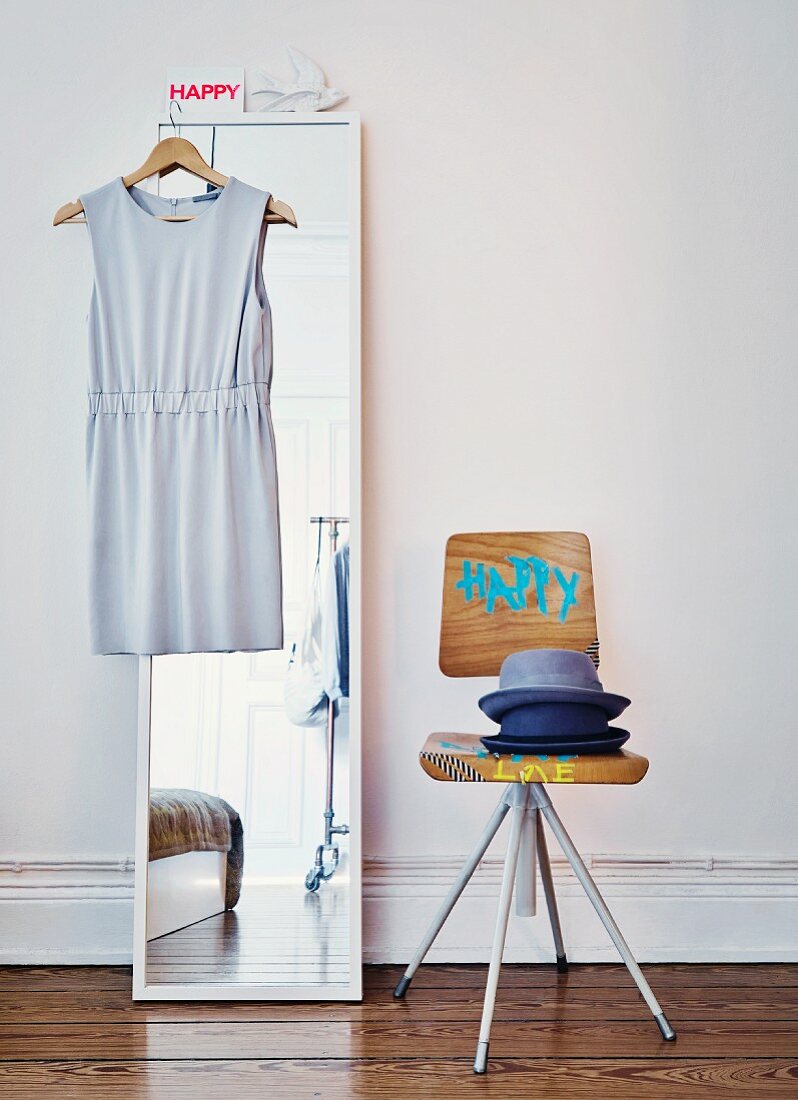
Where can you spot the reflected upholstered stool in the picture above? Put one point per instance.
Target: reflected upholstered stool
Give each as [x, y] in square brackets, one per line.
[505, 592]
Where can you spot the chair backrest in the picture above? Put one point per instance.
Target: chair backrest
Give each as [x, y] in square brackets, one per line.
[504, 591]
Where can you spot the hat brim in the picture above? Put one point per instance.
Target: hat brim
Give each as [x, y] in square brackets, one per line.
[495, 703]
[566, 746]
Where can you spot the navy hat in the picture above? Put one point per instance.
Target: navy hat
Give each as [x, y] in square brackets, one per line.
[565, 746]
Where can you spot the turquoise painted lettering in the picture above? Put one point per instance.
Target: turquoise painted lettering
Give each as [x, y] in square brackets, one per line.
[472, 579]
[497, 589]
[523, 575]
[486, 583]
[540, 569]
[569, 591]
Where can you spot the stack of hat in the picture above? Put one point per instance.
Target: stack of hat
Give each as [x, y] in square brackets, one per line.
[552, 701]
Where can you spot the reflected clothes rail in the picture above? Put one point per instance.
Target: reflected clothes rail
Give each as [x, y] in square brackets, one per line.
[327, 853]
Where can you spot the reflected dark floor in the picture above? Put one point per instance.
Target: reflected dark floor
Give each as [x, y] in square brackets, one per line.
[276, 935]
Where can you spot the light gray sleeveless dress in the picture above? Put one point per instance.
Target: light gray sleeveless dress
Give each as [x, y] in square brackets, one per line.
[184, 526]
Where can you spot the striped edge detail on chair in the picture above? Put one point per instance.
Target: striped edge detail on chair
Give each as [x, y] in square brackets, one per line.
[452, 768]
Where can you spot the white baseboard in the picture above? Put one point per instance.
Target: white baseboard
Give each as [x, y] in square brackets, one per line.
[62, 911]
[670, 910]
[698, 909]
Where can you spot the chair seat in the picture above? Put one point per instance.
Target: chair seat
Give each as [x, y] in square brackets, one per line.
[462, 758]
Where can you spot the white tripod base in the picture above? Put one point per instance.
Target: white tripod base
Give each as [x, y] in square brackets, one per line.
[527, 836]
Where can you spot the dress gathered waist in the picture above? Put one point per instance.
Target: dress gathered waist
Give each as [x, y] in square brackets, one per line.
[220, 399]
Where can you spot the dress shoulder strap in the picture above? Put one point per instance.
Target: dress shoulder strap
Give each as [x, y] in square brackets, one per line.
[252, 229]
[252, 204]
[99, 202]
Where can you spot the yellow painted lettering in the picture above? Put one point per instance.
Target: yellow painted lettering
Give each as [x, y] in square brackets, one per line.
[529, 773]
[499, 773]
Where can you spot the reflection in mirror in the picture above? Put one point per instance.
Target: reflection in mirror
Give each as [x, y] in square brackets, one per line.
[237, 797]
[248, 870]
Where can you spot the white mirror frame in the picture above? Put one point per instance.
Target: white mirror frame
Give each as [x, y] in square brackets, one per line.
[245, 992]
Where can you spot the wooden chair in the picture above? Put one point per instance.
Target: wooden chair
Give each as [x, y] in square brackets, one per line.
[504, 592]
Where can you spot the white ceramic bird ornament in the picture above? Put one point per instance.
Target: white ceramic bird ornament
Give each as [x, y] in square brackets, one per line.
[308, 92]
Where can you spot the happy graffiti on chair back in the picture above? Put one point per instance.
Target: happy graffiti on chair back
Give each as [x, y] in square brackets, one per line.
[482, 582]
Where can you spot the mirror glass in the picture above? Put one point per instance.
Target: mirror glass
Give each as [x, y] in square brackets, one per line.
[249, 873]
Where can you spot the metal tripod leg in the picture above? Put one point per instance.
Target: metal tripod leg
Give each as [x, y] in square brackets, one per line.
[520, 819]
[488, 833]
[525, 874]
[543, 802]
[551, 898]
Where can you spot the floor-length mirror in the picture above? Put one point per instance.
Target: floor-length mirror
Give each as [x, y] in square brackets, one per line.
[248, 825]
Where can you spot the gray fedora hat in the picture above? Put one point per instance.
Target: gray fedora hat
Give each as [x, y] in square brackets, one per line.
[549, 676]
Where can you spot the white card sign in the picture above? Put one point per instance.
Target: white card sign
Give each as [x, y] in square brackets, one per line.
[201, 91]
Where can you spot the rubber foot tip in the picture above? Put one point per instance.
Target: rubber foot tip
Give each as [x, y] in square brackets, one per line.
[665, 1028]
[402, 987]
[481, 1060]
[562, 964]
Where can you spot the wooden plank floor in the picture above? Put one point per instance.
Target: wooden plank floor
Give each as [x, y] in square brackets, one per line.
[280, 935]
[74, 1032]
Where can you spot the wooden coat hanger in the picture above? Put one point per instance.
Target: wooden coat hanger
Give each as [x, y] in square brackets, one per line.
[169, 154]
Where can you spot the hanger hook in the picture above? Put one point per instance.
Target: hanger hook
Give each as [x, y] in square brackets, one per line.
[174, 103]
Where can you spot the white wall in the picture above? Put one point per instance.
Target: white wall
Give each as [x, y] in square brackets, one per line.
[580, 260]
